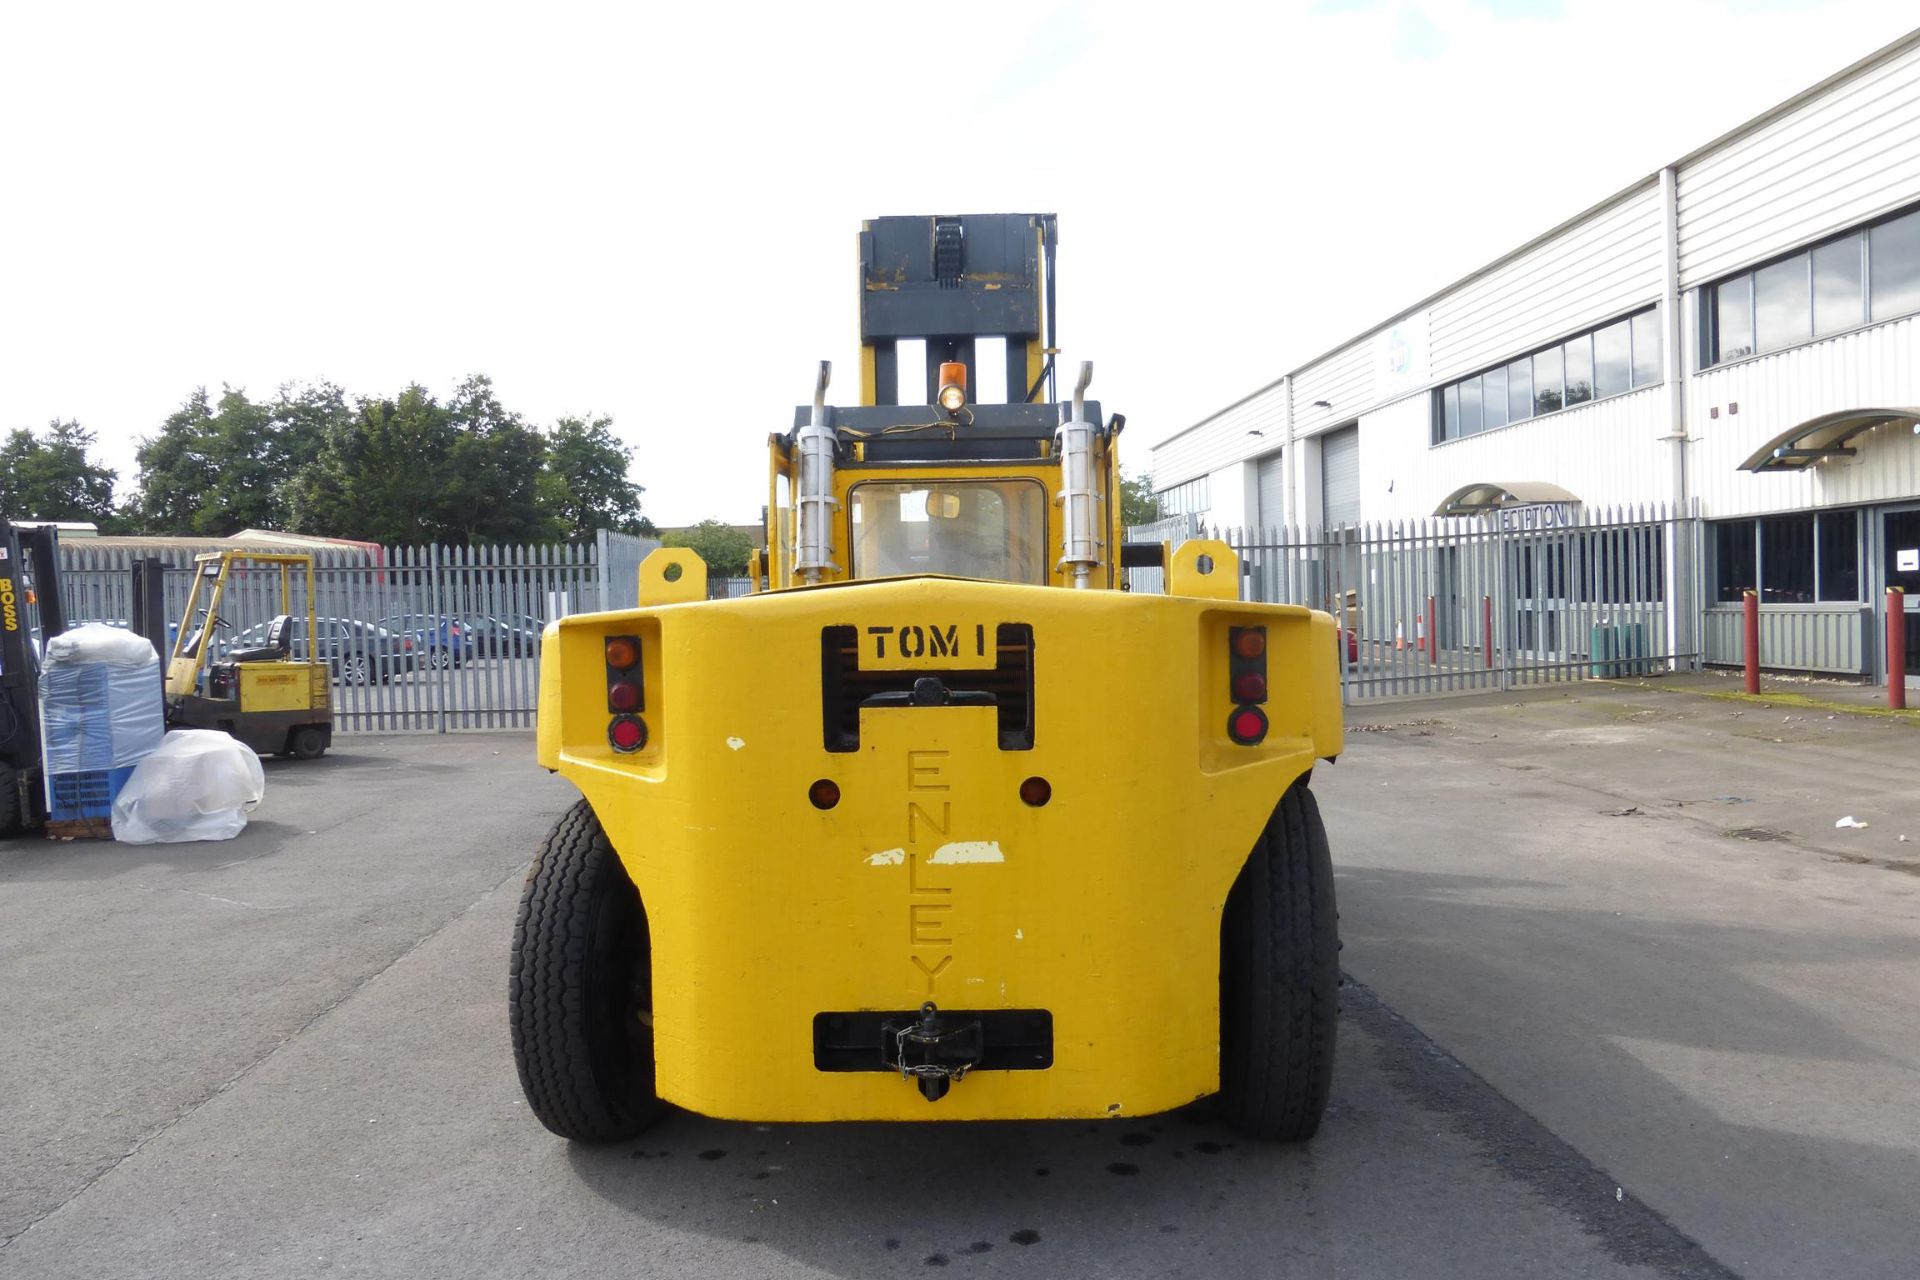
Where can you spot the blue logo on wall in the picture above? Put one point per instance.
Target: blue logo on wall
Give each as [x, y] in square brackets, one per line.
[1399, 351]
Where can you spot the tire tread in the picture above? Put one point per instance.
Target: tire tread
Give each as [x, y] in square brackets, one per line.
[1280, 978]
[550, 1000]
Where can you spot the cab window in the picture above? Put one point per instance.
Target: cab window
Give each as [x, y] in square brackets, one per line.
[968, 528]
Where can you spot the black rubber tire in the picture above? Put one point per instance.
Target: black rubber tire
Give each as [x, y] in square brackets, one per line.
[308, 742]
[579, 992]
[1280, 978]
[9, 801]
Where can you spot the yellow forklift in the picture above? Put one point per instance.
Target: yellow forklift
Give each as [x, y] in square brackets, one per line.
[941, 822]
[263, 694]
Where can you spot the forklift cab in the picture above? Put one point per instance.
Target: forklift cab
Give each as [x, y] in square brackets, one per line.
[262, 695]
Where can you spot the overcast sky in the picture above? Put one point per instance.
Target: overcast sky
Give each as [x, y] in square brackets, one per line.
[650, 211]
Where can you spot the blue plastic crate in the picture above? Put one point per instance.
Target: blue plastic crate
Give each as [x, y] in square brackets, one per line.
[85, 795]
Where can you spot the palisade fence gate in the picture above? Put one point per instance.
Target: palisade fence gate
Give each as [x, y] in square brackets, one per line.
[1498, 601]
[415, 679]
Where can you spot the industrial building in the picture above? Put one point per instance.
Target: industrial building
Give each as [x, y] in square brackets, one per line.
[1734, 340]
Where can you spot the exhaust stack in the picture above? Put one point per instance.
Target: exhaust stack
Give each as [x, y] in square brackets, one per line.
[814, 501]
[1080, 540]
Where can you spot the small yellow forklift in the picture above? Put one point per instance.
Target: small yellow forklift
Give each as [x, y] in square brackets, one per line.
[941, 822]
[264, 695]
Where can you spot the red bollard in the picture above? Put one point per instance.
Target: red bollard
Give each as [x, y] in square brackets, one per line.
[1486, 627]
[1433, 635]
[1896, 648]
[1751, 600]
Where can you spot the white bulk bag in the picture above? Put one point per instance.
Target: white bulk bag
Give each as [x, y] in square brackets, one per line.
[199, 785]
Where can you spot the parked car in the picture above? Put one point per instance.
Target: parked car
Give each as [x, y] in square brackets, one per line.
[357, 652]
[502, 635]
[441, 640]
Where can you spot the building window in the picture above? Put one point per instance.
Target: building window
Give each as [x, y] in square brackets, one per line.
[1893, 256]
[1786, 559]
[1733, 560]
[1191, 498]
[1869, 274]
[1839, 540]
[1798, 558]
[1609, 361]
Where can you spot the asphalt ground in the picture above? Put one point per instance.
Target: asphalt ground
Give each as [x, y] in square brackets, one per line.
[1573, 1043]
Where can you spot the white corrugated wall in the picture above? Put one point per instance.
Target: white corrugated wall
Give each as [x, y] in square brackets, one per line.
[1830, 163]
[1876, 368]
[1223, 439]
[1606, 454]
[1344, 380]
[1604, 266]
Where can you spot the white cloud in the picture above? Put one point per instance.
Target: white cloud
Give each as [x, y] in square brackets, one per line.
[651, 211]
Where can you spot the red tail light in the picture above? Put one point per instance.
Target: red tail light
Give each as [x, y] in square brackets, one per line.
[623, 695]
[1247, 684]
[824, 794]
[627, 733]
[406, 642]
[1036, 791]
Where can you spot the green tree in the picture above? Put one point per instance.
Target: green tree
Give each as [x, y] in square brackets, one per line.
[1138, 502]
[410, 469]
[51, 476]
[495, 471]
[723, 547]
[218, 468]
[586, 485]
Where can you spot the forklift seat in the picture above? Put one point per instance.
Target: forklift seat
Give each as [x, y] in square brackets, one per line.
[279, 643]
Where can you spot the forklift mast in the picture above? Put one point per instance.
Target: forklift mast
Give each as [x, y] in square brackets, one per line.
[30, 601]
[951, 280]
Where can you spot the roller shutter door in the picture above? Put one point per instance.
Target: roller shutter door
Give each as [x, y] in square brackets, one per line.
[1271, 483]
[1340, 475]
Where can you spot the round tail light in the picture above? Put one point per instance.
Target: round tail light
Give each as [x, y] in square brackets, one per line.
[1250, 686]
[1249, 642]
[627, 733]
[824, 794]
[1247, 725]
[623, 695]
[622, 653]
[1036, 791]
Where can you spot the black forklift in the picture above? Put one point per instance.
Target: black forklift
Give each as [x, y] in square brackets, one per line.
[31, 612]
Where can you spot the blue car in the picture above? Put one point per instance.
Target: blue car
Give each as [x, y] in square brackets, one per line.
[442, 642]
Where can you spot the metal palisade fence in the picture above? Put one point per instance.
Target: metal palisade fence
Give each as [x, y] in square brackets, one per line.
[419, 639]
[1490, 602]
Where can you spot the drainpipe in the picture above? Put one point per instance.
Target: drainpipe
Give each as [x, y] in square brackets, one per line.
[1295, 503]
[1683, 610]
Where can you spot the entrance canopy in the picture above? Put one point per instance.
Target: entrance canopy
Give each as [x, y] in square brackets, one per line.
[1826, 436]
[1477, 499]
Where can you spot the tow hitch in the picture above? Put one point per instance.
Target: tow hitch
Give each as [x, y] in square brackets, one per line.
[931, 1048]
[936, 1053]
